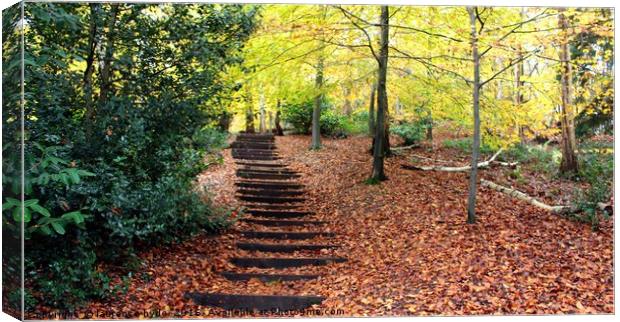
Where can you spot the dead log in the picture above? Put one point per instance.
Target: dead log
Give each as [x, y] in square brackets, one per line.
[484, 164]
[522, 196]
[531, 200]
[398, 148]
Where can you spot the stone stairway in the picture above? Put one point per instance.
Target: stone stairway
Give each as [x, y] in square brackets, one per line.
[278, 230]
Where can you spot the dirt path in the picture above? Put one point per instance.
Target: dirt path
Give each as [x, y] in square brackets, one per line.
[409, 250]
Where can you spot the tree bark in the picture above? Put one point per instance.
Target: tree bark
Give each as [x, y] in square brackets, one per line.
[429, 128]
[473, 177]
[569, 145]
[261, 110]
[347, 107]
[249, 112]
[316, 111]
[90, 65]
[378, 173]
[279, 130]
[106, 69]
[371, 110]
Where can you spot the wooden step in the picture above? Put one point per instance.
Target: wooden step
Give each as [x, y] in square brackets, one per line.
[254, 151]
[270, 192]
[282, 248]
[270, 199]
[267, 277]
[253, 145]
[254, 302]
[262, 206]
[254, 157]
[269, 176]
[268, 184]
[268, 170]
[284, 235]
[255, 135]
[261, 262]
[278, 213]
[262, 164]
[284, 223]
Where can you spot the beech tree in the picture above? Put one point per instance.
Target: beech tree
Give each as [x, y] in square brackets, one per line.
[568, 163]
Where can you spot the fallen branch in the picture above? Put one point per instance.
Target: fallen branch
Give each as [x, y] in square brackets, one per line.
[427, 158]
[507, 164]
[398, 148]
[531, 200]
[522, 196]
[481, 165]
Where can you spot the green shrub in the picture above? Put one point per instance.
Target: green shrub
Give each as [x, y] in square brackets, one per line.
[100, 187]
[333, 124]
[598, 171]
[298, 115]
[542, 158]
[411, 133]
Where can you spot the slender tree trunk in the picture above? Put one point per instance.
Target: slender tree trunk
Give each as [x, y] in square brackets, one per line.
[569, 145]
[106, 69]
[261, 110]
[518, 95]
[473, 177]
[371, 110]
[397, 107]
[429, 128]
[279, 130]
[316, 111]
[90, 65]
[347, 108]
[249, 112]
[378, 173]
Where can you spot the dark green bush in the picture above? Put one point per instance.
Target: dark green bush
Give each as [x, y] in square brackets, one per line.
[598, 171]
[298, 115]
[99, 189]
[411, 133]
[333, 124]
[465, 145]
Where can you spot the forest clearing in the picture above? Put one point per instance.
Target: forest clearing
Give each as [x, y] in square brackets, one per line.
[224, 160]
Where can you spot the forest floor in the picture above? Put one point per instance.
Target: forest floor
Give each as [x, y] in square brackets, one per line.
[409, 249]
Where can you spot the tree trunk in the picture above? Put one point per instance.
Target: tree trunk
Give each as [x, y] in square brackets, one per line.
[279, 130]
[371, 110]
[378, 173]
[429, 126]
[518, 96]
[261, 110]
[249, 112]
[473, 177]
[347, 108]
[106, 69]
[90, 65]
[316, 112]
[569, 144]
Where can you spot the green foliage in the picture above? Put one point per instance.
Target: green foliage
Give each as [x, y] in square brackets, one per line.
[411, 133]
[107, 174]
[298, 115]
[357, 123]
[465, 145]
[598, 171]
[333, 124]
[541, 157]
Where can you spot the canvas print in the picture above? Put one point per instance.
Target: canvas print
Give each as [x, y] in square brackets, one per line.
[203, 160]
